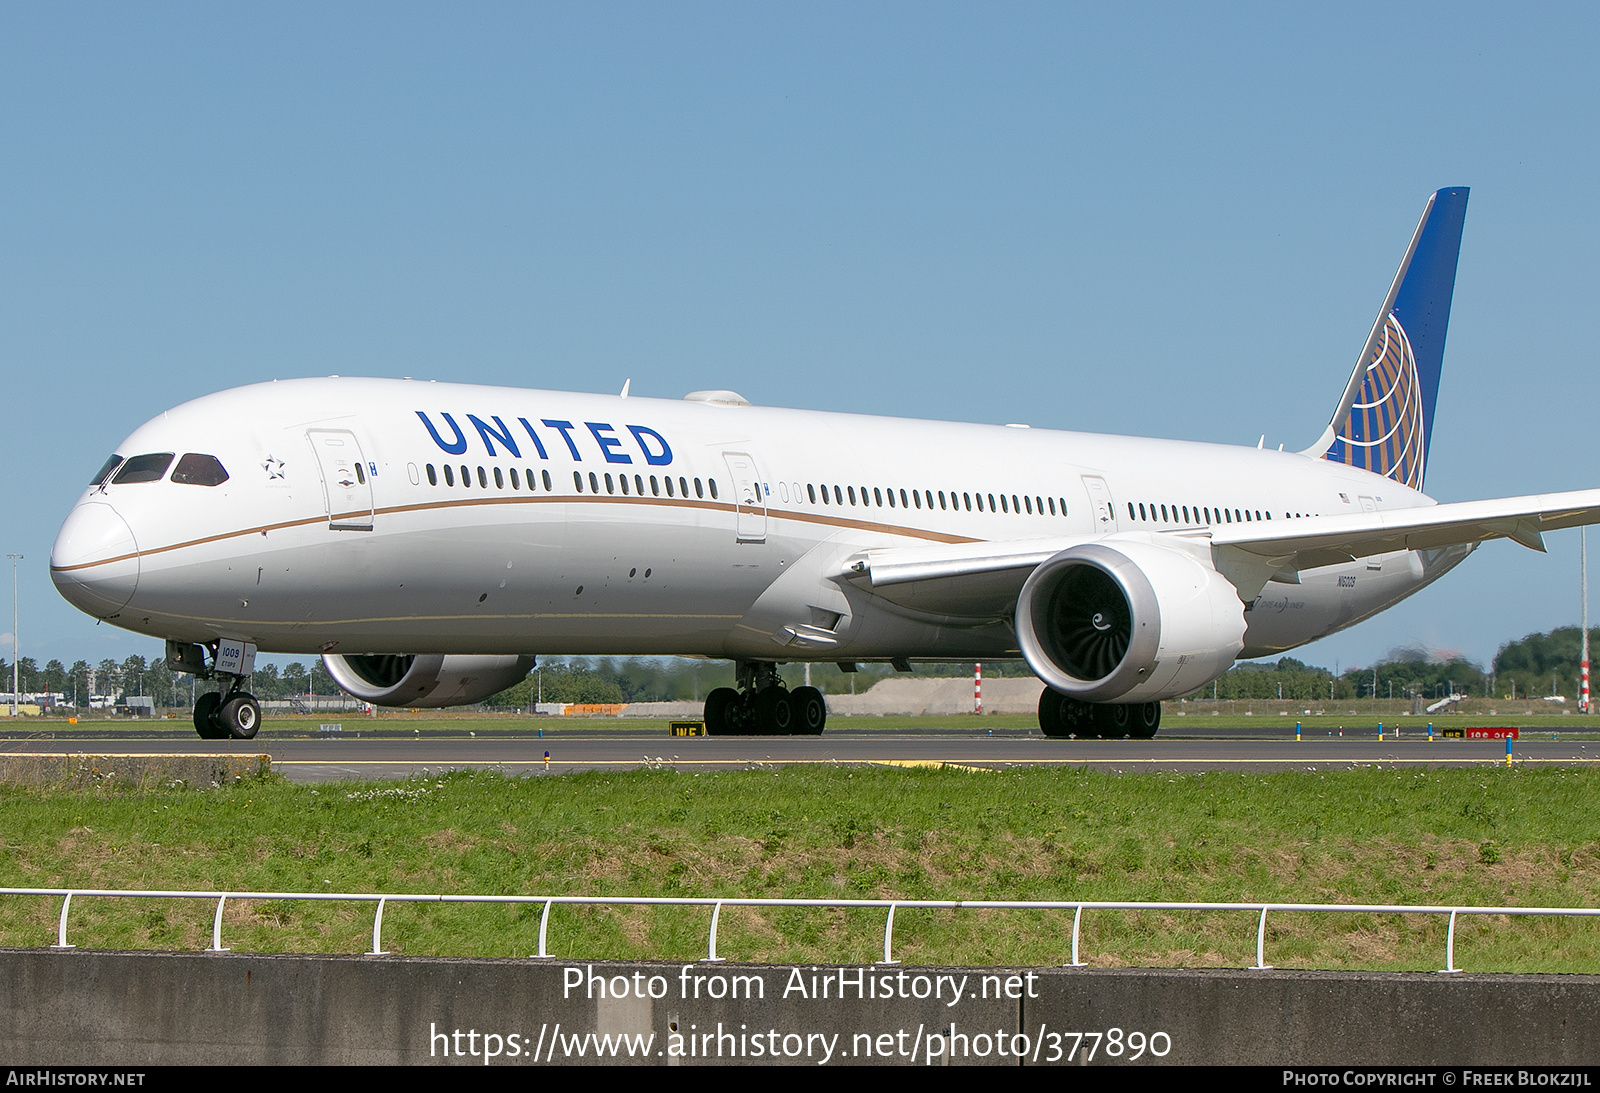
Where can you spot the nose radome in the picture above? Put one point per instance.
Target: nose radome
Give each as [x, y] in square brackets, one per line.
[95, 560]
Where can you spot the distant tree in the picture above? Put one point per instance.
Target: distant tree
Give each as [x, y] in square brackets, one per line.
[78, 675]
[295, 680]
[1286, 678]
[1537, 662]
[108, 678]
[132, 676]
[1414, 672]
[265, 683]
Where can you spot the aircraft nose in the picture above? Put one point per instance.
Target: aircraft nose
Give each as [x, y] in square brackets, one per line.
[95, 560]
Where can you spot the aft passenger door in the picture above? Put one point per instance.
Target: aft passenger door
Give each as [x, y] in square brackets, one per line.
[345, 485]
[749, 498]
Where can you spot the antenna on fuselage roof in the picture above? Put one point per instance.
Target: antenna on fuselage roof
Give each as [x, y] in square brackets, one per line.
[625, 385]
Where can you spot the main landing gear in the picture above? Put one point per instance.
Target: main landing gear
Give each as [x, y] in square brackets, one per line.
[233, 714]
[1063, 715]
[763, 706]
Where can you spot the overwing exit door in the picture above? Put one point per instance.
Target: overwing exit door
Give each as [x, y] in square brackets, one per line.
[1105, 510]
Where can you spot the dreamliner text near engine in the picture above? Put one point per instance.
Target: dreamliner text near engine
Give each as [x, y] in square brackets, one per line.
[432, 540]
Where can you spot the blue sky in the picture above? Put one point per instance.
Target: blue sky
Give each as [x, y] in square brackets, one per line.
[1168, 220]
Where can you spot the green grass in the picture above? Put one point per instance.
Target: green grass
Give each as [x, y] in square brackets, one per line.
[1488, 837]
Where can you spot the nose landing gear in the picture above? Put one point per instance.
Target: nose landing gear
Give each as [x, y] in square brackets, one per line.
[234, 714]
[763, 706]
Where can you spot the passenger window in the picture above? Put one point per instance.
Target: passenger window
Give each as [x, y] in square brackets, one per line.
[699, 491]
[638, 485]
[879, 497]
[655, 486]
[360, 475]
[851, 490]
[433, 478]
[516, 483]
[967, 497]
[143, 468]
[546, 476]
[811, 491]
[712, 482]
[466, 476]
[669, 488]
[449, 475]
[838, 497]
[499, 482]
[621, 478]
[483, 479]
[202, 470]
[577, 481]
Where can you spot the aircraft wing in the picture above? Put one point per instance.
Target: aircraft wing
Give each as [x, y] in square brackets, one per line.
[1329, 540]
[982, 580]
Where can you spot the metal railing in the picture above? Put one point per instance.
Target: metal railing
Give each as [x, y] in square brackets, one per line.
[1077, 907]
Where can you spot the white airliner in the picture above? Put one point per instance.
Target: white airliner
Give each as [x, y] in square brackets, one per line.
[431, 539]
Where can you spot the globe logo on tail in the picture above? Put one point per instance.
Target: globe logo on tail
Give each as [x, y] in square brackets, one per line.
[1384, 431]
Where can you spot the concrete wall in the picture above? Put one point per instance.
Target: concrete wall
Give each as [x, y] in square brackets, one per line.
[129, 771]
[131, 1009]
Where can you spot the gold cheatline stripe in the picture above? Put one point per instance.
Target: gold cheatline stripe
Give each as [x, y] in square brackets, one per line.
[292, 623]
[542, 499]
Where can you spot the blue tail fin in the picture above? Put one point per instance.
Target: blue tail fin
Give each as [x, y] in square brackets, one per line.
[1385, 419]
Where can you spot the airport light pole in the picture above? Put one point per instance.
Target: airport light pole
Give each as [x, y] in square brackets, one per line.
[1583, 658]
[16, 645]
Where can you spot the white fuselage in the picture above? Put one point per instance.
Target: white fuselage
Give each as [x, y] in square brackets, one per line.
[691, 527]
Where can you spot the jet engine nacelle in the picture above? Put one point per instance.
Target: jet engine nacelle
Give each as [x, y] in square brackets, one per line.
[1128, 621]
[425, 680]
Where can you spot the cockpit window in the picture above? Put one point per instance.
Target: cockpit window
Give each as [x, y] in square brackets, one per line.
[110, 465]
[143, 468]
[200, 470]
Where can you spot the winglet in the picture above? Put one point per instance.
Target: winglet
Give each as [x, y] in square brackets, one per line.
[1384, 422]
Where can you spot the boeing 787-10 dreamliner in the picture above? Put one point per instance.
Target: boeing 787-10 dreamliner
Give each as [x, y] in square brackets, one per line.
[430, 540]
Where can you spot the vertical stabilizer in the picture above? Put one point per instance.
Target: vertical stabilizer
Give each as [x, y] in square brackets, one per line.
[1384, 422]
